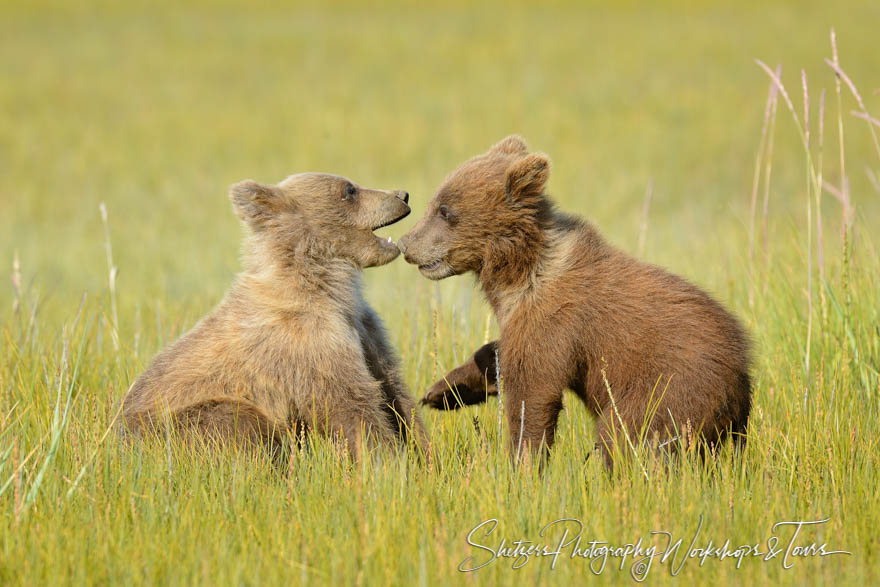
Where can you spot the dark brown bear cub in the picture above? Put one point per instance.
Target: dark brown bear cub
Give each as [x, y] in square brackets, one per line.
[294, 343]
[570, 306]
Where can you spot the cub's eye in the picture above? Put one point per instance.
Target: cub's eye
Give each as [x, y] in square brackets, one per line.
[444, 212]
[350, 192]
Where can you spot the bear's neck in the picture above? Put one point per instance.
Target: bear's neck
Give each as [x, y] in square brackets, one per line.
[521, 266]
[297, 280]
[511, 260]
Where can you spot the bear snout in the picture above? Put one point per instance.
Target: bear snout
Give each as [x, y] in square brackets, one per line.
[401, 244]
[410, 255]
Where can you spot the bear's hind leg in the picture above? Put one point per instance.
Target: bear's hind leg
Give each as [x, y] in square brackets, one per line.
[236, 422]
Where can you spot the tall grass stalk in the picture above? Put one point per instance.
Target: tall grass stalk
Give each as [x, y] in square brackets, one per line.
[813, 184]
[111, 279]
[820, 244]
[522, 425]
[844, 182]
[810, 188]
[838, 70]
[763, 147]
[59, 424]
[499, 384]
[768, 169]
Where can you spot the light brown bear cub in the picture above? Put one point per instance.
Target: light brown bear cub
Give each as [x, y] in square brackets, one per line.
[294, 342]
[570, 306]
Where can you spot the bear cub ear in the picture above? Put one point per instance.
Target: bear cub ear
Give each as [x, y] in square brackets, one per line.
[527, 177]
[512, 145]
[254, 202]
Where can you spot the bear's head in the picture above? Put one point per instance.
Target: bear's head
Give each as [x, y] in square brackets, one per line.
[321, 215]
[493, 206]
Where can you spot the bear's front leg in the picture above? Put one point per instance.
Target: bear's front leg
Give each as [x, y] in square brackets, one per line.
[467, 384]
[384, 365]
[532, 401]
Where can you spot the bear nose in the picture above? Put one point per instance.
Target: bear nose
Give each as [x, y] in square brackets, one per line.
[403, 196]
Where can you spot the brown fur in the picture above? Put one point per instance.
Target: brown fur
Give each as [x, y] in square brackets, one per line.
[293, 342]
[466, 385]
[570, 306]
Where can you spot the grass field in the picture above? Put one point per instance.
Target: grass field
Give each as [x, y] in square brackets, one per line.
[154, 109]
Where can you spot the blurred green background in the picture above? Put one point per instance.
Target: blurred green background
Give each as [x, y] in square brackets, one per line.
[155, 108]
